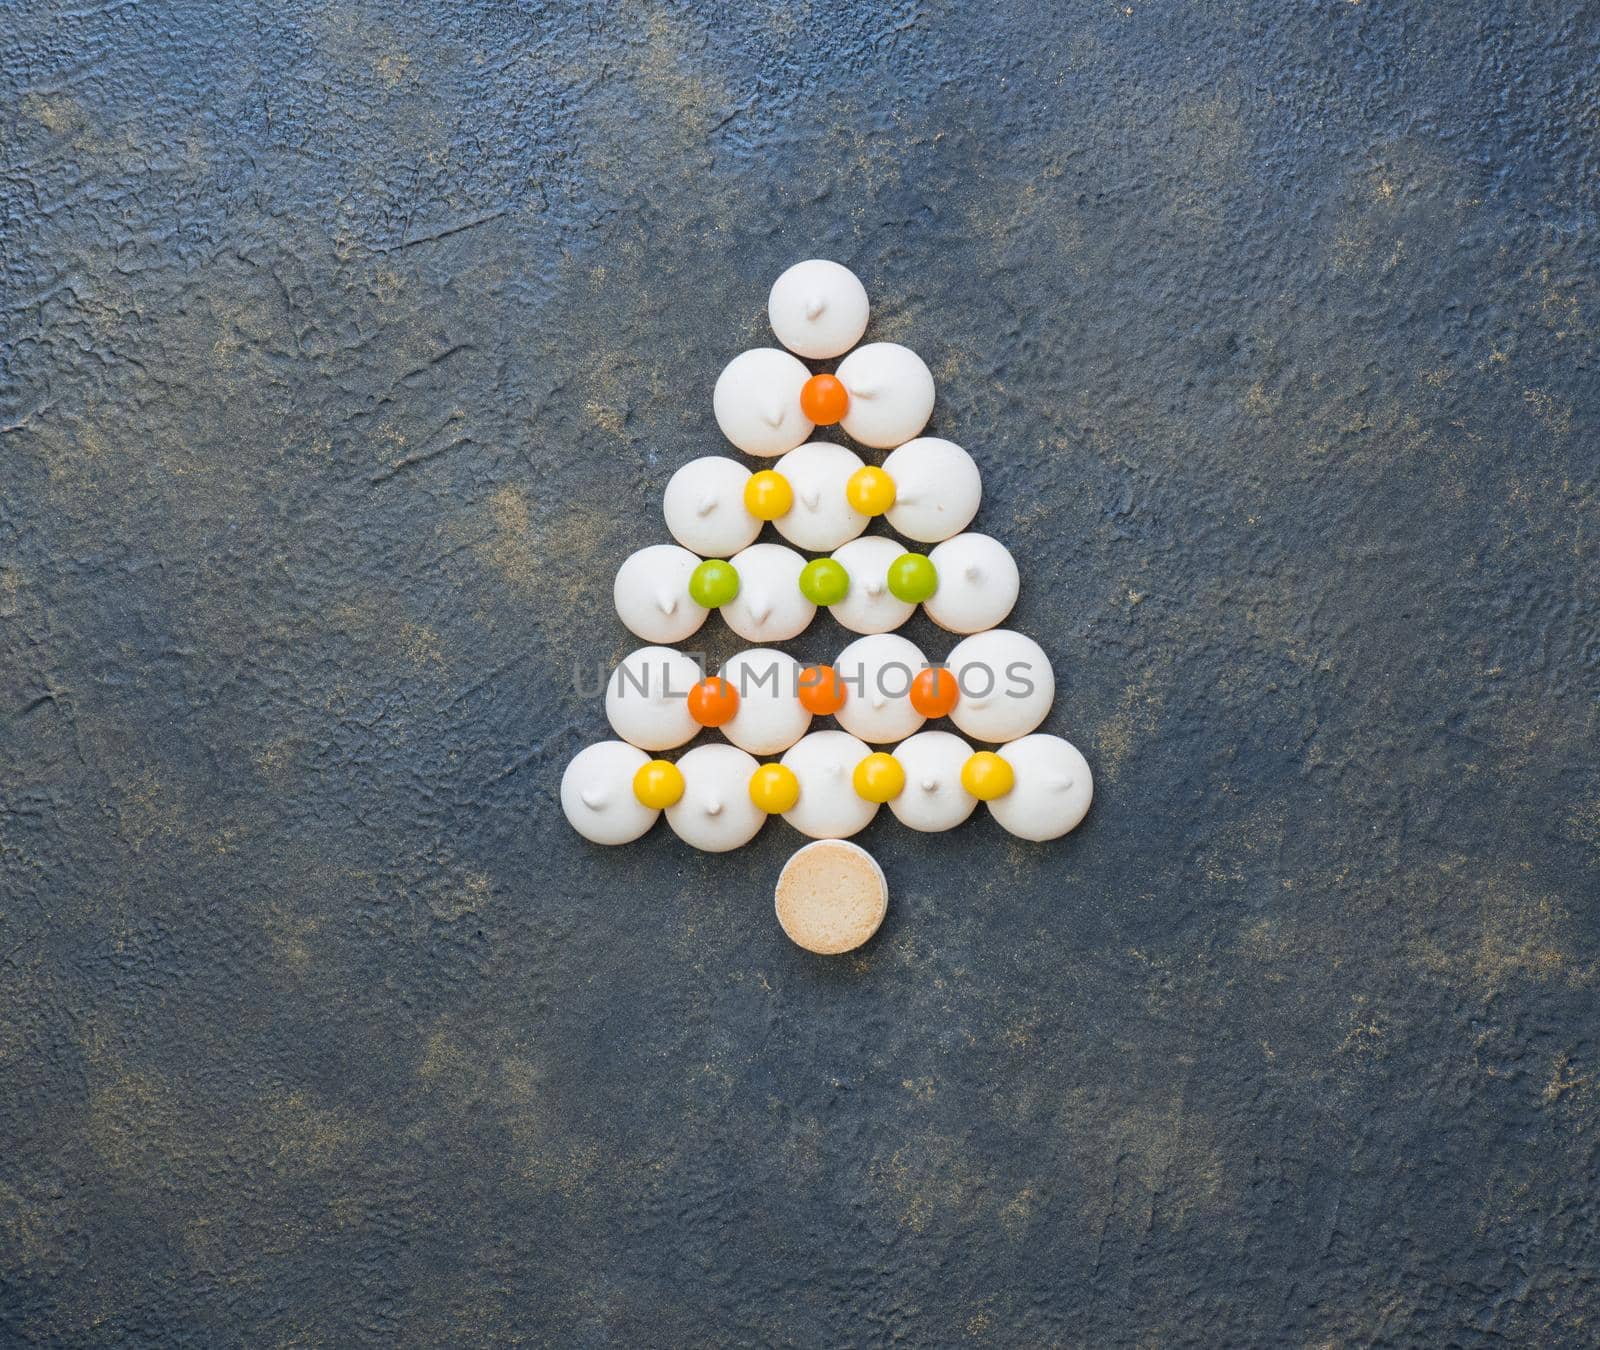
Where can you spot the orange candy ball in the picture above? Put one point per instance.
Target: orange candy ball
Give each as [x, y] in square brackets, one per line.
[934, 692]
[713, 701]
[821, 690]
[824, 400]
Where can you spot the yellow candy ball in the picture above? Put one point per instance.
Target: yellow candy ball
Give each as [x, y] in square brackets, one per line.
[987, 776]
[870, 491]
[774, 788]
[658, 784]
[879, 778]
[767, 495]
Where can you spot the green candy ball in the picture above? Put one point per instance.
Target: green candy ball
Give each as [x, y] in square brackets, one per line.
[824, 581]
[713, 583]
[912, 578]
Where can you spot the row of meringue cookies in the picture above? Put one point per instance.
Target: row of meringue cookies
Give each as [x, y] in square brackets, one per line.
[770, 593]
[767, 402]
[995, 686]
[828, 786]
[821, 495]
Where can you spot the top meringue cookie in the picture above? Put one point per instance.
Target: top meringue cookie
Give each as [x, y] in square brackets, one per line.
[818, 309]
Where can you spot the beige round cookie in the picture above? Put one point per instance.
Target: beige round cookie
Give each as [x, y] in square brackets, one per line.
[831, 897]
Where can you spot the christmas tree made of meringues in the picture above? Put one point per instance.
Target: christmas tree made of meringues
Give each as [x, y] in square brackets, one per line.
[995, 686]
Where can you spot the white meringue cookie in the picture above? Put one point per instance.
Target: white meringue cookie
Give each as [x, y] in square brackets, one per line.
[651, 594]
[937, 489]
[770, 606]
[647, 698]
[818, 309]
[757, 401]
[715, 812]
[1052, 791]
[978, 583]
[1006, 685]
[933, 798]
[868, 606]
[597, 794]
[821, 518]
[770, 717]
[828, 808]
[891, 394]
[877, 672]
[704, 507]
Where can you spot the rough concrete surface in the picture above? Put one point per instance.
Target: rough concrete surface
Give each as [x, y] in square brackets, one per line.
[347, 349]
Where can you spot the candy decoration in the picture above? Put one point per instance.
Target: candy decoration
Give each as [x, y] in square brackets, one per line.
[818, 309]
[771, 717]
[912, 578]
[870, 490]
[774, 788]
[767, 495]
[597, 794]
[704, 506]
[712, 702]
[937, 489]
[658, 784]
[824, 400]
[934, 692]
[978, 583]
[878, 778]
[757, 401]
[715, 812]
[1052, 790]
[824, 582]
[891, 394]
[645, 698]
[821, 691]
[934, 798]
[652, 597]
[715, 583]
[822, 517]
[986, 776]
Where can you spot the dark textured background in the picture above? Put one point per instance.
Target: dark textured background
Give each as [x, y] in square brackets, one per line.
[347, 350]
